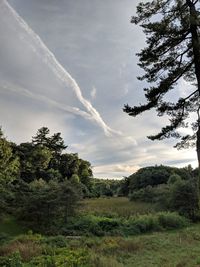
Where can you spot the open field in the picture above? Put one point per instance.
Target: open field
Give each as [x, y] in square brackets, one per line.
[168, 249]
[175, 248]
[115, 206]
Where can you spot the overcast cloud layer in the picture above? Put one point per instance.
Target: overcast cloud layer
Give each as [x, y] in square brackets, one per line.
[71, 66]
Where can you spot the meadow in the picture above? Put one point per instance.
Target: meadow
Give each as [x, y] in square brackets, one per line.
[178, 247]
[115, 206]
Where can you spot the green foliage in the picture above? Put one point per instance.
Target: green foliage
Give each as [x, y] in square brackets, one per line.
[41, 205]
[174, 178]
[140, 224]
[124, 187]
[177, 191]
[9, 171]
[62, 257]
[10, 227]
[58, 241]
[157, 194]
[168, 220]
[75, 179]
[9, 164]
[171, 248]
[104, 187]
[44, 158]
[154, 176]
[185, 199]
[154, 222]
[172, 53]
[13, 261]
[40, 184]
[54, 143]
[34, 161]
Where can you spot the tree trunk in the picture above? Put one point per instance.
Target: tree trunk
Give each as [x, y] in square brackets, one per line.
[198, 157]
[198, 146]
[196, 53]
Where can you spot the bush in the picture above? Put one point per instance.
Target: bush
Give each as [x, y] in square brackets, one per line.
[58, 241]
[4, 238]
[171, 220]
[100, 226]
[13, 261]
[185, 198]
[108, 224]
[158, 194]
[154, 222]
[141, 224]
[63, 257]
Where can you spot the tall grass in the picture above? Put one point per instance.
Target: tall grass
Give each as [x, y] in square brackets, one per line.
[165, 249]
[115, 206]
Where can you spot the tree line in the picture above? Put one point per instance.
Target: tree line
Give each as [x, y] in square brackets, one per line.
[41, 184]
[169, 188]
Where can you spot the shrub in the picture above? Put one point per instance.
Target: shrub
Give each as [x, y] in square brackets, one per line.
[63, 257]
[108, 224]
[13, 261]
[142, 224]
[100, 226]
[174, 178]
[158, 194]
[185, 198]
[169, 220]
[58, 241]
[4, 238]
[154, 222]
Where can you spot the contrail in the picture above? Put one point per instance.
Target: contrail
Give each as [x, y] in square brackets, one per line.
[49, 58]
[39, 97]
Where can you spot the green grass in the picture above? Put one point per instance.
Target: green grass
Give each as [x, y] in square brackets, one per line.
[175, 248]
[116, 206]
[168, 249]
[9, 226]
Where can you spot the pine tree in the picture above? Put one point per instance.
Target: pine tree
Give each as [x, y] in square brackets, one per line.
[55, 142]
[172, 53]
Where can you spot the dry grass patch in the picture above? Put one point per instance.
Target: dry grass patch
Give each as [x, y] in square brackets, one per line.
[27, 249]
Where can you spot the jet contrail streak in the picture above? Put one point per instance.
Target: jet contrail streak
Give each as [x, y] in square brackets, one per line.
[49, 58]
[19, 90]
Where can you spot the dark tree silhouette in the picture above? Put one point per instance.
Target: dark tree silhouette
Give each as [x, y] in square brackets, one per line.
[172, 52]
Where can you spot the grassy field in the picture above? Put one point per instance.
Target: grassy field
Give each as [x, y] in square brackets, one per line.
[177, 248]
[116, 206]
[167, 249]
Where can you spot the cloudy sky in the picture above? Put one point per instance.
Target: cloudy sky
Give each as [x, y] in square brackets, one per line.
[70, 65]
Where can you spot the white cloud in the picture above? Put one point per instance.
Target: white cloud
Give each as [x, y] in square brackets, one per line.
[93, 92]
[116, 171]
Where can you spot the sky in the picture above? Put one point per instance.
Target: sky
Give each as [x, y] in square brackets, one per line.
[71, 66]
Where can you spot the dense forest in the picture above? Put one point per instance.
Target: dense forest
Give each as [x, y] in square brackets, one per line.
[39, 182]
